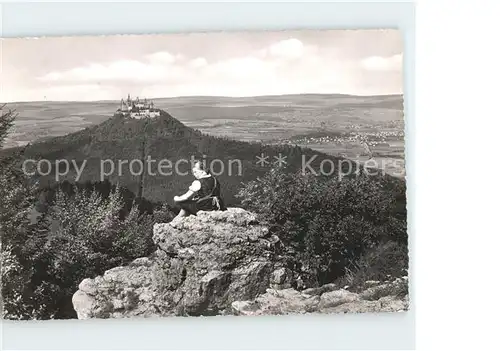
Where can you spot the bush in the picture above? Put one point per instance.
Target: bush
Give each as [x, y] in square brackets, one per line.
[328, 223]
[16, 197]
[80, 234]
[385, 261]
[86, 235]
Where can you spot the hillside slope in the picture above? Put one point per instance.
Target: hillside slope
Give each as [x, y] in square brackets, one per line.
[130, 142]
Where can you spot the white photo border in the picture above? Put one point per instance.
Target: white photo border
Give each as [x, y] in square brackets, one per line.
[350, 331]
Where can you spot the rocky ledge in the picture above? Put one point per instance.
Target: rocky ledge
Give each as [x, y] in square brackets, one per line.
[384, 297]
[202, 264]
[215, 263]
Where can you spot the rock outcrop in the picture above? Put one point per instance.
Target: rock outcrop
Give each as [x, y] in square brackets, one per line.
[386, 297]
[203, 263]
[218, 263]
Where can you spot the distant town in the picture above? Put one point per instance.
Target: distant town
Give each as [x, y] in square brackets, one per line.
[353, 135]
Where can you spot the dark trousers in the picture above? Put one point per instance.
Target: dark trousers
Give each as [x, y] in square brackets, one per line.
[189, 206]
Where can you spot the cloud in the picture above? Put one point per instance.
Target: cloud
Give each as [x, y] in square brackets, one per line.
[115, 71]
[162, 66]
[162, 57]
[198, 62]
[288, 49]
[242, 69]
[283, 67]
[377, 63]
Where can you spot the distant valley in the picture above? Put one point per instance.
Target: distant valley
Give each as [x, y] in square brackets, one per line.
[290, 119]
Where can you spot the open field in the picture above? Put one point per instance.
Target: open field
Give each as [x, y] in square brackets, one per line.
[270, 119]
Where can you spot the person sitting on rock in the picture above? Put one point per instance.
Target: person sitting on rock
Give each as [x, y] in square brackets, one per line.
[203, 195]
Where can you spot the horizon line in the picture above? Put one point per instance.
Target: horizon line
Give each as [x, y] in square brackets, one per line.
[212, 96]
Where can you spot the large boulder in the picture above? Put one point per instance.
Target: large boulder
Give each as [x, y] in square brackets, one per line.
[203, 263]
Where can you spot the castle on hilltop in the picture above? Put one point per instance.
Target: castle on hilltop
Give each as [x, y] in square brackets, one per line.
[138, 108]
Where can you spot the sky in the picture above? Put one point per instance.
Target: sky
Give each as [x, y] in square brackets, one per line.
[89, 68]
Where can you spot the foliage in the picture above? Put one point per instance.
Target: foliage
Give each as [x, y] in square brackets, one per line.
[88, 236]
[6, 120]
[16, 196]
[384, 261]
[325, 222]
[80, 233]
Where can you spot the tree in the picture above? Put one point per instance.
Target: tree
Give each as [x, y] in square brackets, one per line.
[16, 204]
[89, 236]
[327, 223]
[6, 121]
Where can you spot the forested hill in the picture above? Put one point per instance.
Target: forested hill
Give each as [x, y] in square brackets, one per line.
[163, 138]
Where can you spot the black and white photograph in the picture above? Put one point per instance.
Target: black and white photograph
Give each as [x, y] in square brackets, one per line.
[203, 174]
